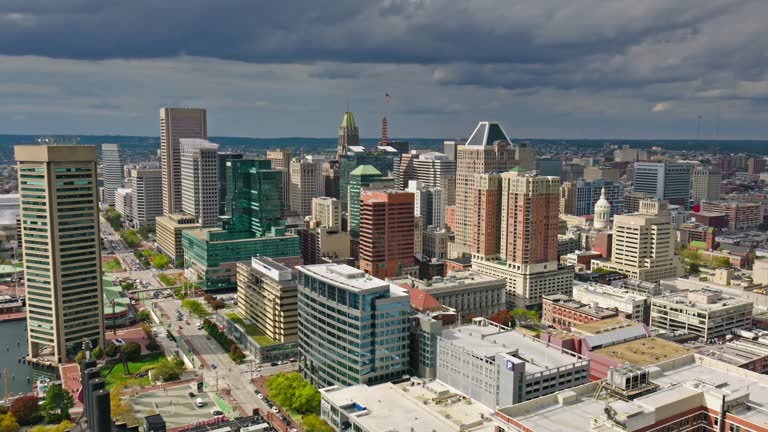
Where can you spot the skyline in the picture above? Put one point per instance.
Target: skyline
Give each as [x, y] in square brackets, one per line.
[556, 69]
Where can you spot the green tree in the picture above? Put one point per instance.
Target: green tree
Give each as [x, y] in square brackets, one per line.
[25, 410]
[169, 369]
[65, 425]
[145, 232]
[313, 423]
[130, 238]
[131, 351]
[80, 356]
[503, 317]
[8, 423]
[160, 261]
[98, 352]
[57, 404]
[111, 350]
[143, 315]
[694, 268]
[113, 218]
[290, 390]
[152, 345]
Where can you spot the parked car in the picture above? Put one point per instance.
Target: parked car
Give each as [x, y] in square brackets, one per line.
[217, 412]
[199, 402]
[191, 394]
[273, 364]
[213, 365]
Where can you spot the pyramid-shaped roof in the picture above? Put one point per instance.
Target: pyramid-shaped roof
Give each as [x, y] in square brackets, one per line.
[365, 170]
[486, 133]
[348, 121]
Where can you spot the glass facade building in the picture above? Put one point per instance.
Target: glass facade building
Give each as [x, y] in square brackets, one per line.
[381, 160]
[353, 329]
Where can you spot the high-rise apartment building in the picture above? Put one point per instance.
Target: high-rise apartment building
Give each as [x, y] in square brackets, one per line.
[670, 181]
[705, 183]
[403, 170]
[756, 166]
[741, 215]
[528, 227]
[488, 150]
[627, 154]
[486, 240]
[429, 203]
[112, 171]
[199, 180]
[147, 199]
[222, 158]
[177, 123]
[327, 212]
[348, 135]
[306, 183]
[578, 198]
[451, 148]
[62, 248]
[386, 232]
[644, 244]
[335, 298]
[437, 170]
[331, 178]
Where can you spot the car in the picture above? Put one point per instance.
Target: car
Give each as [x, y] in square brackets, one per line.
[207, 337]
[217, 412]
[199, 402]
[180, 327]
[273, 364]
[118, 342]
[187, 322]
[256, 391]
[261, 396]
[293, 360]
[275, 410]
[213, 365]
[191, 394]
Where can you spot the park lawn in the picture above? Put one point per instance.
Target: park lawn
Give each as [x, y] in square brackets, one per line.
[146, 361]
[166, 280]
[112, 265]
[251, 330]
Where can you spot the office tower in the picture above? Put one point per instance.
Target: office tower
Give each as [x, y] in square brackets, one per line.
[124, 203]
[632, 200]
[331, 178]
[488, 150]
[437, 170]
[602, 212]
[334, 298]
[705, 184]
[756, 166]
[386, 232]
[594, 173]
[364, 176]
[112, 171]
[418, 235]
[572, 172]
[177, 123]
[578, 197]
[199, 180]
[222, 158]
[403, 169]
[644, 244]
[670, 181]
[528, 254]
[253, 226]
[306, 183]
[429, 203]
[62, 248]
[383, 161]
[525, 157]
[267, 298]
[327, 212]
[549, 166]
[168, 231]
[348, 135]
[147, 199]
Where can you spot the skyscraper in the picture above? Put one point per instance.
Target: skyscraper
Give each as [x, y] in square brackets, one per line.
[62, 253]
[112, 169]
[348, 135]
[705, 183]
[578, 197]
[199, 180]
[437, 170]
[528, 256]
[327, 211]
[177, 123]
[386, 232]
[223, 157]
[147, 199]
[669, 181]
[488, 150]
[364, 176]
[429, 203]
[306, 183]
[281, 160]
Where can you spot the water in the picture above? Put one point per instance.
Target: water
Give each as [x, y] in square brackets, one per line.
[13, 344]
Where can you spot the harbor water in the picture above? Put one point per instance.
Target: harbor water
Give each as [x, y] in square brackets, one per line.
[13, 347]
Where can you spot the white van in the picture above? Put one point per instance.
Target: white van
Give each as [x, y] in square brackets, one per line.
[199, 402]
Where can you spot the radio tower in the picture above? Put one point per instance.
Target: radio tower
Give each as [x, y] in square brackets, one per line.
[384, 121]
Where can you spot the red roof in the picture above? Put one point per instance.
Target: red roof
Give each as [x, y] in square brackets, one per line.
[422, 301]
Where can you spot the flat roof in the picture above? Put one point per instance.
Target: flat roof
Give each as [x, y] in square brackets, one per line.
[643, 352]
[605, 325]
[414, 407]
[350, 278]
[684, 298]
[677, 380]
[738, 352]
[489, 340]
[455, 279]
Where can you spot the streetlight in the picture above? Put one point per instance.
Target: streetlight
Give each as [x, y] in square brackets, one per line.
[114, 317]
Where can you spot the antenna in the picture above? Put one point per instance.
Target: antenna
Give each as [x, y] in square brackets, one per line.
[384, 139]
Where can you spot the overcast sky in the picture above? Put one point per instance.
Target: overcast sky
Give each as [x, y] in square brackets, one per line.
[544, 68]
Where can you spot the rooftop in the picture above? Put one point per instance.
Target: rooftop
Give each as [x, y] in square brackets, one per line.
[604, 325]
[430, 406]
[454, 279]
[643, 352]
[350, 278]
[486, 134]
[704, 300]
[684, 383]
[489, 340]
[365, 170]
[738, 352]
[587, 309]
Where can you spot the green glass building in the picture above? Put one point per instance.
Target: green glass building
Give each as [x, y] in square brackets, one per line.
[381, 160]
[251, 227]
[361, 177]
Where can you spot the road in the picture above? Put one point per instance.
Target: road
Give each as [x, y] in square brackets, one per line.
[227, 374]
